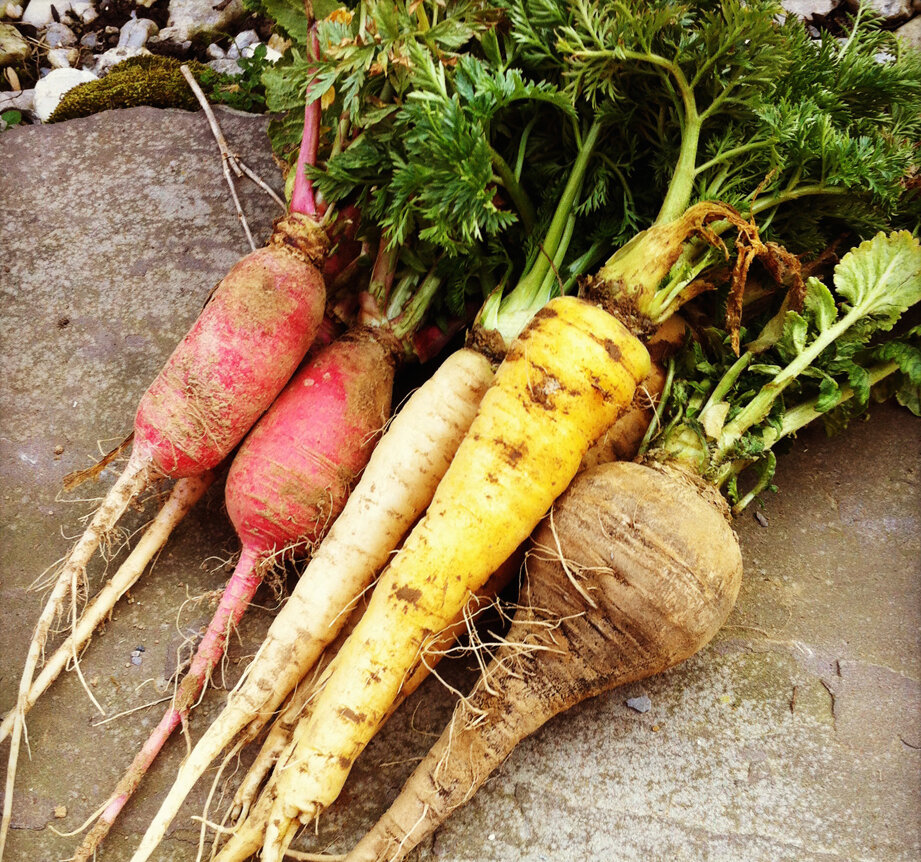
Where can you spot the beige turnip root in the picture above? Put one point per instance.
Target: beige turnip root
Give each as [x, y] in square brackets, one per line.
[634, 570]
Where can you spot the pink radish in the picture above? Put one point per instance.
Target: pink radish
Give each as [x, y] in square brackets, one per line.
[249, 339]
[286, 485]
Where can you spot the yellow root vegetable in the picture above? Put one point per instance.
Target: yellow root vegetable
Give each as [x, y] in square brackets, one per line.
[566, 379]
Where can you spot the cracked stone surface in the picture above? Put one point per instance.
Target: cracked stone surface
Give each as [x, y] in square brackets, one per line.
[794, 737]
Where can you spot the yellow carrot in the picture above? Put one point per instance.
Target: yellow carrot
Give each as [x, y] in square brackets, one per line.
[566, 378]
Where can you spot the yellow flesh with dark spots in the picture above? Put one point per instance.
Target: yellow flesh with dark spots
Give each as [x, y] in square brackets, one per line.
[565, 380]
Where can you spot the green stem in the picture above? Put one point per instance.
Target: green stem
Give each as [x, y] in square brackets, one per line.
[590, 259]
[798, 417]
[400, 295]
[762, 204]
[382, 273]
[765, 474]
[553, 274]
[414, 311]
[760, 405]
[515, 191]
[532, 281]
[522, 146]
[681, 187]
[509, 315]
[730, 154]
[727, 381]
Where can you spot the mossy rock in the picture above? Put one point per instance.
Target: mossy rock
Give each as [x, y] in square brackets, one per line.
[148, 80]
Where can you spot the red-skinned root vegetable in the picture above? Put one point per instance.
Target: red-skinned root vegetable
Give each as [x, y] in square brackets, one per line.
[394, 490]
[288, 482]
[222, 376]
[183, 496]
[634, 570]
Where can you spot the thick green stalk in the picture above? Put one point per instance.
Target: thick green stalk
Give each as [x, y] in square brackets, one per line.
[509, 315]
[759, 407]
[798, 417]
[681, 187]
[761, 204]
[518, 195]
[795, 419]
[555, 232]
[727, 381]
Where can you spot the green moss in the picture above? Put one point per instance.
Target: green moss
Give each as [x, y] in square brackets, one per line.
[148, 80]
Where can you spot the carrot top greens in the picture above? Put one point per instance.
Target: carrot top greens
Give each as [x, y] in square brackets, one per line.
[525, 140]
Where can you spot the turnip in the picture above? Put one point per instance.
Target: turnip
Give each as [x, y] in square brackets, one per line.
[634, 571]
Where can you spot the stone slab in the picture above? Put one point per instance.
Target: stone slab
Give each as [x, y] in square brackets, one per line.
[795, 736]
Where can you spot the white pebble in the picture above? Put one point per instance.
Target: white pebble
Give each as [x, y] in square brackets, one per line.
[114, 56]
[38, 12]
[270, 54]
[48, 90]
[63, 58]
[136, 32]
[215, 51]
[245, 39]
[10, 10]
[59, 36]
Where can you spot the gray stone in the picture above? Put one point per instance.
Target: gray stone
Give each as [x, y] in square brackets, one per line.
[248, 39]
[227, 66]
[892, 10]
[59, 35]
[18, 100]
[136, 32]
[191, 18]
[114, 56]
[639, 704]
[911, 33]
[84, 10]
[808, 9]
[13, 48]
